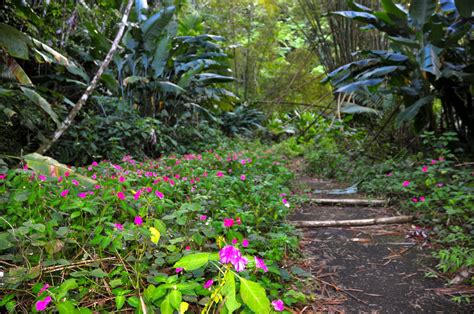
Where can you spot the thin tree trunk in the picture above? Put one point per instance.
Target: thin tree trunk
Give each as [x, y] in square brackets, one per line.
[353, 222]
[90, 89]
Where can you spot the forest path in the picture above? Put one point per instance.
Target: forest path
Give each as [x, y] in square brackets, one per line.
[367, 269]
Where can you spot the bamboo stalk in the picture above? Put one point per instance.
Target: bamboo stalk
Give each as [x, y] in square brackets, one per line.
[347, 201]
[352, 222]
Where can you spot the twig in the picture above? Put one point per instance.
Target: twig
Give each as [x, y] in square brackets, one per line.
[78, 264]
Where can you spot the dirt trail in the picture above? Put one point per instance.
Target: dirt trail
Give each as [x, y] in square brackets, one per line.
[373, 269]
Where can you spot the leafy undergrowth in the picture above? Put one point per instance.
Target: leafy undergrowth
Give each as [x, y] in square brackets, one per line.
[179, 234]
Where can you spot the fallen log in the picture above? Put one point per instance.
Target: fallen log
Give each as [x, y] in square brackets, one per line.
[352, 222]
[347, 201]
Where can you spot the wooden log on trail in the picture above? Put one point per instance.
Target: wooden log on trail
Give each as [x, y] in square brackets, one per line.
[352, 222]
[347, 201]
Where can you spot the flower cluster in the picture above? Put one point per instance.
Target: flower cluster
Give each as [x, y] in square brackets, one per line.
[231, 254]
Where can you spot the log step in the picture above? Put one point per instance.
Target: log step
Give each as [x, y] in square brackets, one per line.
[352, 222]
[347, 201]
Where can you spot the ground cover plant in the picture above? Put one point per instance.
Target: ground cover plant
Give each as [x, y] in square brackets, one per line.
[182, 233]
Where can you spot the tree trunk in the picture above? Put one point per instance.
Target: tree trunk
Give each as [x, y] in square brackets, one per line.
[90, 89]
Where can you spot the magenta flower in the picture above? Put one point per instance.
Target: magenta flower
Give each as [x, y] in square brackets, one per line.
[231, 254]
[60, 179]
[187, 248]
[82, 195]
[424, 169]
[433, 161]
[120, 195]
[240, 263]
[179, 269]
[389, 174]
[42, 177]
[203, 217]
[422, 198]
[121, 179]
[41, 305]
[414, 200]
[64, 193]
[43, 289]
[3, 176]
[259, 263]
[97, 187]
[245, 242]
[136, 196]
[159, 194]
[234, 241]
[242, 177]
[228, 222]
[95, 164]
[118, 226]
[138, 220]
[208, 284]
[94, 176]
[278, 305]
[406, 183]
[220, 174]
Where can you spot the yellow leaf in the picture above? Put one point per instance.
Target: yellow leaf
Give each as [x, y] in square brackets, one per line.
[155, 235]
[183, 307]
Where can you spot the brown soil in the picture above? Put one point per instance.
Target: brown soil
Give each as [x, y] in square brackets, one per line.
[373, 269]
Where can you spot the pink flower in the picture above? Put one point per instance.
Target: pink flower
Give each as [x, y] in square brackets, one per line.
[3, 176]
[245, 242]
[136, 196]
[439, 185]
[234, 241]
[238, 221]
[75, 182]
[422, 198]
[42, 177]
[89, 168]
[242, 177]
[95, 164]
[179, 269]
[43, 289]
[187, 248]
[259, 263]
[82, 195]
[120, 195]
[121, 179]
[424, 169]
[231, 254]
[205, 174]
[203, 217]
[433, 161]
[60, 179]
[441, 159]
[149, 190]
[228, 222]
[406, 183]
[66, 174]
[219, 174]
[41, 305]
[208, 284]
[97, 187]
[138, 220]
[414, 200]
[118, 226]
[94, 176]
[64, 193]
[159, 194]
[389, 174]
[278, 305]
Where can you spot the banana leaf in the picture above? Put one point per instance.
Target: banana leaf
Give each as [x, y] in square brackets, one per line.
[49, 167]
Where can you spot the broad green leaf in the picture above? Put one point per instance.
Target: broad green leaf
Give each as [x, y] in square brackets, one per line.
[169, 87]
[4, 241]
[392, 9]
[355, 108]
[192, 261]
[352, 87]
[156, 24]
[99, 273]
[465, 7]
[175, 297]
[65, 307]
[430, 61]
[50, 167]
[209, 78]
[254, 296]
[160, 56]
[357, 16]
[447, 5]
[42, 103]
[119, 301]
[411, 111]
[133, 301]
[380, 71]
[166, 307]
[228, 291]
[18, 72]
[14, 42]
[421, 11]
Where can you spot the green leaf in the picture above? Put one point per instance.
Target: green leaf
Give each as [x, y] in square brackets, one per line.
[4, 241]
[421, 11]
[133, 301]
[392, 9]
[192, 261]
[99, 273]
[411, 111]
[352, 87]
[166, 307]
[14, 42]
[42, 103]
[18, 72]
[155, 24]
[169, 87]
[254, 296]
[228, 291]
[119, 301]
[175, 298]
[430, 61]
[209, 78]
[357, 16]
[355, 108]
[465, 7]
[160, 56]
[380, 71]
[65, 307]
[50, 167]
